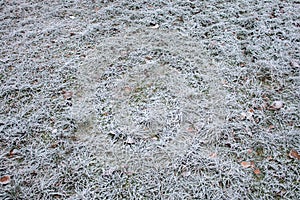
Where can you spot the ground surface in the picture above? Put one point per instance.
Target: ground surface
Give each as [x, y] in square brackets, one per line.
[149, 99]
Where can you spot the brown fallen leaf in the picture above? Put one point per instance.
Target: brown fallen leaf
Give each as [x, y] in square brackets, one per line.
[242, 64]
[257, 171]
[180, 19]
[53, 146]
[11, 67]
[246, 164]
[294, 154]
[5, 179]
[251, 110]
[148, 57]
[12, 153]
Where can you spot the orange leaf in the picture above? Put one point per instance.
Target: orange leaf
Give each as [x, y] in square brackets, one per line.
[11, 153]
[4, 179]
[257, 171]
[246, 164]
[294, 154]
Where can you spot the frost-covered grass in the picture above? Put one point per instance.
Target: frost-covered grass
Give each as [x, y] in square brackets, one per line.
[149, 99]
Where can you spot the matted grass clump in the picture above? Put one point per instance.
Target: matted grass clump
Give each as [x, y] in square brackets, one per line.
[149, 100]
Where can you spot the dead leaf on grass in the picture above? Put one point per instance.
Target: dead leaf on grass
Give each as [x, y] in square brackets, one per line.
[148, 57]
[246, 164]
[53, 146]
[5, 179]
[251, 110]
[257, 171]
[294, 154]
[242, 64]
[12, 153]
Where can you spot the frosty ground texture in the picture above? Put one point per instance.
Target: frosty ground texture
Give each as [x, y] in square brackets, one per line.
[149, 99]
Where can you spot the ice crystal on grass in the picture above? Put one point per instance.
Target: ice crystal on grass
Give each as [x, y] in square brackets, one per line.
[149, 100]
